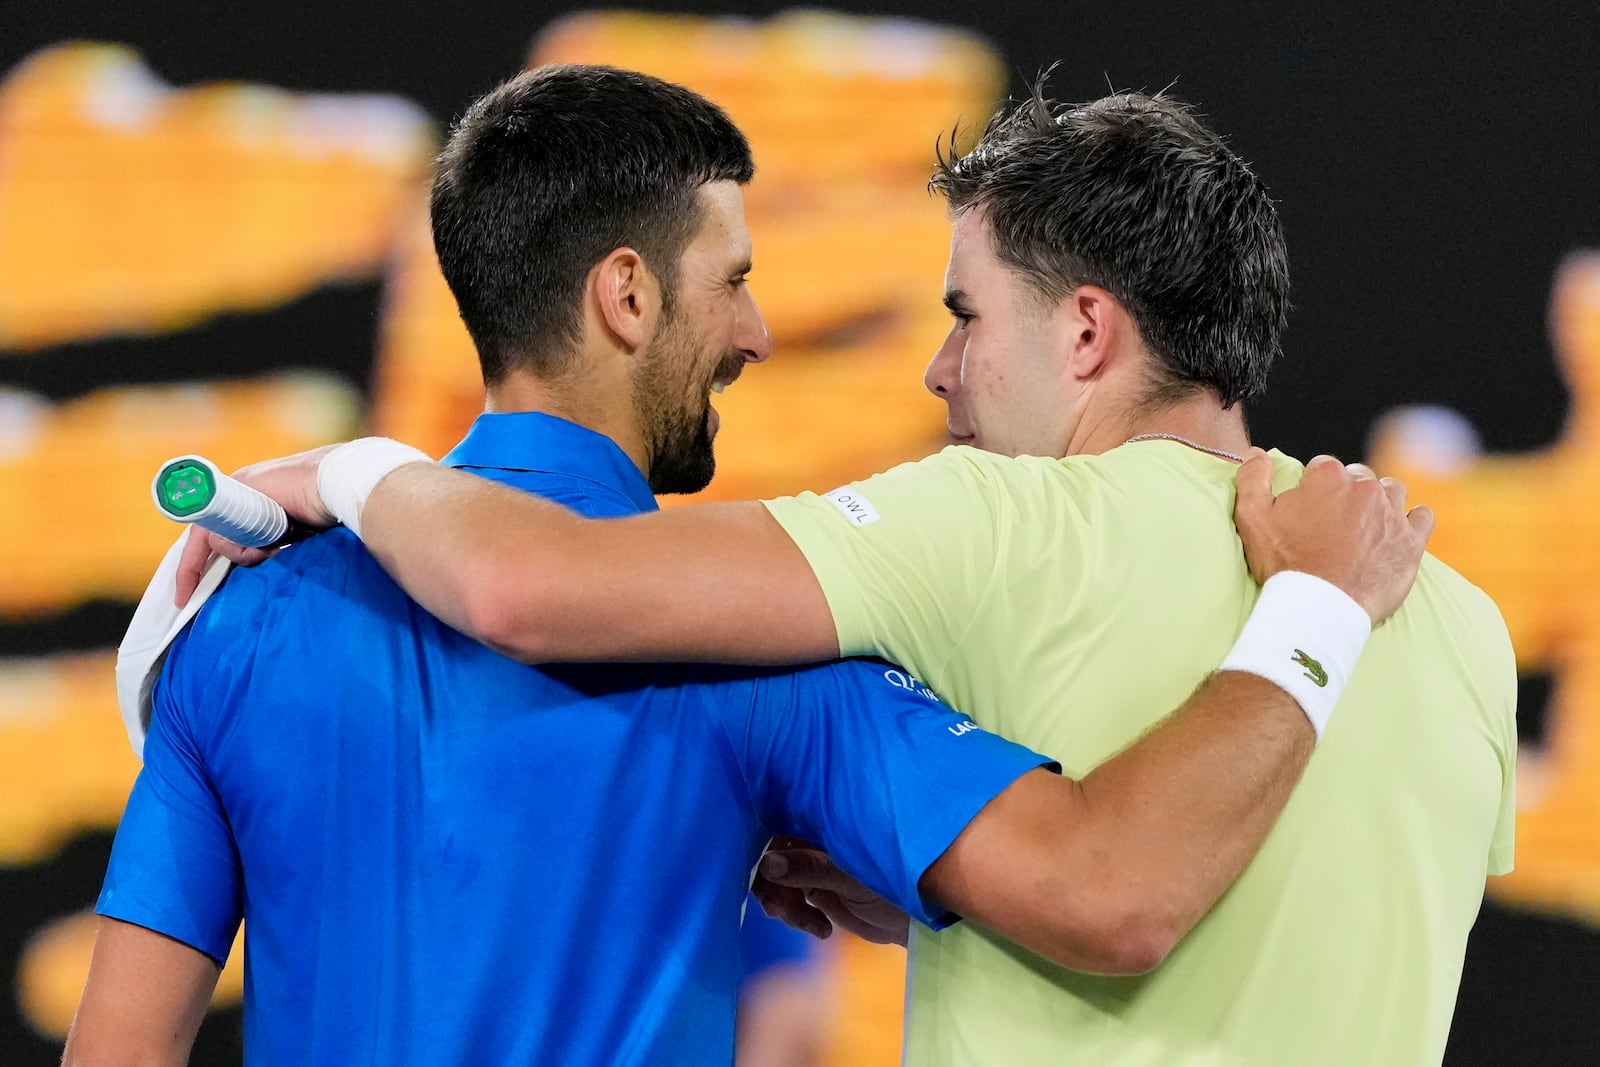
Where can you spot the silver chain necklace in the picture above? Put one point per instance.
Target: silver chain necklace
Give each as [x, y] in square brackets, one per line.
[1183, 441]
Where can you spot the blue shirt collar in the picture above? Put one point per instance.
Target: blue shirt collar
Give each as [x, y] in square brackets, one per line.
[533, 441]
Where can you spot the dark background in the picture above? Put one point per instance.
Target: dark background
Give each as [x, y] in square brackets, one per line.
[1433, 166]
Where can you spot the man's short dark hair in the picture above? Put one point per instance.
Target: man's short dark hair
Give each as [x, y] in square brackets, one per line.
[547, 175]
[1133, 193]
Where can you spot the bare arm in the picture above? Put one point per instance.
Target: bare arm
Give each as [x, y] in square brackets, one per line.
[1105, 874]
[143, 1002]
[719, 582]
[1108, 873]
[782, 1018]
[532, 580]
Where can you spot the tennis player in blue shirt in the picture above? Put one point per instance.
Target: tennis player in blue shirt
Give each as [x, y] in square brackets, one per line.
[438, 850]
[444, 857]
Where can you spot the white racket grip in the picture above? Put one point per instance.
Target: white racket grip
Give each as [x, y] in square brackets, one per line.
[236, 511]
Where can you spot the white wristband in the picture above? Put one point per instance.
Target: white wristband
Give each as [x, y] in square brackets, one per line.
[347, 474]
[1305, 636]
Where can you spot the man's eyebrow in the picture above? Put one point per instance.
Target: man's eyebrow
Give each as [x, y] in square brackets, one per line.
[744, 268]
[956, 301]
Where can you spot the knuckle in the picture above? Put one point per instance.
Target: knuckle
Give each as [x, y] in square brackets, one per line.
[1324, 466]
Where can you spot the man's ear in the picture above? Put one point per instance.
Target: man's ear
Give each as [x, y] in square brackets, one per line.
[628, 297]
[1093, 325]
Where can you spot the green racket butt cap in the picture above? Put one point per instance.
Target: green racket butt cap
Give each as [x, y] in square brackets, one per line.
[185, 487]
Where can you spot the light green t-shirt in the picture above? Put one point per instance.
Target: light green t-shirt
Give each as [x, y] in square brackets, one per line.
[1069, 605]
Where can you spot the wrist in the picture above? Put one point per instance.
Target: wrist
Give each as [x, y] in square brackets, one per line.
[347, 475]
[1304, 635]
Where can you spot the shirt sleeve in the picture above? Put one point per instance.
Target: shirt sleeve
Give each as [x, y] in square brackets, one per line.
[1502, 847]
[906, 558]
[864, 760]
[174, 867]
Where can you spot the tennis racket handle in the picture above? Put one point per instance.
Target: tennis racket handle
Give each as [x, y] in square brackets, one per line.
[192, 489]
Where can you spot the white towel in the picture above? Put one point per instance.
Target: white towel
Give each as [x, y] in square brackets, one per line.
[156, 622]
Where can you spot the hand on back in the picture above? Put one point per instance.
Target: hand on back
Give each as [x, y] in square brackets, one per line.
[798, 884]
[292, 482]
[1341, 523]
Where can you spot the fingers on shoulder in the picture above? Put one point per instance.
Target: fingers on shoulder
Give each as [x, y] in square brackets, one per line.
[1326, 468]
[1361, 472]
[1395, 489]
[1421, 519]
[1254, 478]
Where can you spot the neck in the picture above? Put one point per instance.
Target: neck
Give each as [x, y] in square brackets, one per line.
[1199, 419]
[602, 406]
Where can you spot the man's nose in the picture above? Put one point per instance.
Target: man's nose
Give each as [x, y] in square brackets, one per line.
[943, 376]
[752, 338]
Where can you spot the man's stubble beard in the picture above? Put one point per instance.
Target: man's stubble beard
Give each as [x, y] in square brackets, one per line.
[672, 416]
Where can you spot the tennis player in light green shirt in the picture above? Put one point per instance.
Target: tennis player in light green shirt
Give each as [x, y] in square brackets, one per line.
[1072, 625]
[1066, 574]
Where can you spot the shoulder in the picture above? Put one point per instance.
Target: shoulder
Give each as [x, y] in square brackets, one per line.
[956, 464]
[1465, 605]
[984, 470]
[958, 483]
[1466, 628]
[588, 497]
[869, 676]
[1049, 496]
[1445, 584]
[592, 499]
[819, 684]
[1142, 469]
[1082, 479]
[249, 590]
[303, 582]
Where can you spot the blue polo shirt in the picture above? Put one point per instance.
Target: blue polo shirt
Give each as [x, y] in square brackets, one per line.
[445, 857]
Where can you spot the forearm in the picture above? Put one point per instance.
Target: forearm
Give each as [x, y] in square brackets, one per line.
[1107, 874]
[781, 1019]
[536, 582]
[1176, 818]
[143, 1003]
[441, 535]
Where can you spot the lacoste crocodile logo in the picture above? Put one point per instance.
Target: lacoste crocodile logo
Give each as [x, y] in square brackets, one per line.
[1314, 670]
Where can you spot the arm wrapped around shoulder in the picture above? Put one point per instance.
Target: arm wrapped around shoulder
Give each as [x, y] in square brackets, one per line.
[1305, 636]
